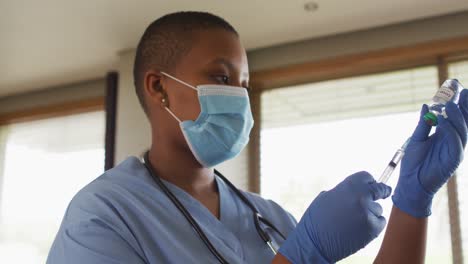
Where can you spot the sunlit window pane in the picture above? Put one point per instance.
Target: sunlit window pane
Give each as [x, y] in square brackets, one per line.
[46, 163]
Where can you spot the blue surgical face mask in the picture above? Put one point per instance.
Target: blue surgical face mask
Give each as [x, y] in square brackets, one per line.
[222, 129]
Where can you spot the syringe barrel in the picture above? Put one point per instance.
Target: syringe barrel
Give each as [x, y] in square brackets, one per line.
[386, 174]
[397, 157]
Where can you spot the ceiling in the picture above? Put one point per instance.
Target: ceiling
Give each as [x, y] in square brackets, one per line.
[52, 42]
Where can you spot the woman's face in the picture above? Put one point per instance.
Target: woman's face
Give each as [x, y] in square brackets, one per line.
[216, 57]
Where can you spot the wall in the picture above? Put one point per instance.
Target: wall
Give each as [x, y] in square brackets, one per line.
[420, 31]
[133, 135]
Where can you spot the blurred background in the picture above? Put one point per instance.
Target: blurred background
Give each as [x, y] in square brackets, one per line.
[337, 88]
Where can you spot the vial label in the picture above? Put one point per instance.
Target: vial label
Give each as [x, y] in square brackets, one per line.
[444, 93]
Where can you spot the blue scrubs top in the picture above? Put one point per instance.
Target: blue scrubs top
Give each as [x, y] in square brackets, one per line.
[124, 217]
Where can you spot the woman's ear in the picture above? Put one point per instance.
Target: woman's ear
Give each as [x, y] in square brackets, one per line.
[155, 93]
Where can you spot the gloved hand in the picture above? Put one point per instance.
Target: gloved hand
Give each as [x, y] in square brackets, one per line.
[429, 161]
[339, 222]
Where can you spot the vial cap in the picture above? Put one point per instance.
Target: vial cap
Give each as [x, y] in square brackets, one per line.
[430, 118]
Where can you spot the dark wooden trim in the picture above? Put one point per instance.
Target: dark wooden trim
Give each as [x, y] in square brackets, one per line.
[463, 56]
[62, 109]
[112, 79]
[359, 64]
[254, 143]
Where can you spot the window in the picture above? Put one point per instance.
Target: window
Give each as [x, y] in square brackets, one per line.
[315, 135]
[45, 163]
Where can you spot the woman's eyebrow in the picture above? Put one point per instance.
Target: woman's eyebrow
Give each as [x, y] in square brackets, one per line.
[229, 65]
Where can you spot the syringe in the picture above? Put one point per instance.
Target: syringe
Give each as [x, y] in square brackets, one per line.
[393, 163]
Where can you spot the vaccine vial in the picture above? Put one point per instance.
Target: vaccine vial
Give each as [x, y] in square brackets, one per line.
[448, 92]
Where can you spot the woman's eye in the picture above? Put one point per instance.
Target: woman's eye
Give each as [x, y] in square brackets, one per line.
[222, 79]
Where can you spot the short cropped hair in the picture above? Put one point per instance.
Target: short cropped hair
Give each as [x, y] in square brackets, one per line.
[167, 40]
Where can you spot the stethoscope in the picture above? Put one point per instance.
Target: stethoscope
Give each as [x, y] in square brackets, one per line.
[257, 217]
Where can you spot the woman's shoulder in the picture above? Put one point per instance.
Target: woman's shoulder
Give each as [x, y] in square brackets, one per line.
[126, 181]
[129, 171]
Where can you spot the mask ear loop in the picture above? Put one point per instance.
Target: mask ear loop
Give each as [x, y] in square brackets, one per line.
[172, 114]
[180, 81]
[165, 104]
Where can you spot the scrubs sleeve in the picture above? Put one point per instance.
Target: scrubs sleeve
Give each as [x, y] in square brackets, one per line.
[91, 243]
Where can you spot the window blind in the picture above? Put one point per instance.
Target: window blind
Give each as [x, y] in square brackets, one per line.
[378, 94]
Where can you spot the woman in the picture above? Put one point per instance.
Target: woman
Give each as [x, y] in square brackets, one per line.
[191, 77]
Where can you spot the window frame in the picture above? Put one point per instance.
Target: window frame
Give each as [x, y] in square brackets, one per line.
[54, 110]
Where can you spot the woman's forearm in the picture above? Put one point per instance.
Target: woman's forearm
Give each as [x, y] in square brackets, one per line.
[405, 239]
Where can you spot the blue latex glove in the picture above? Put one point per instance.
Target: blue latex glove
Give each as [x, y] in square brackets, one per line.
[429, 161]
[339, 222]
